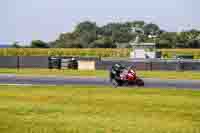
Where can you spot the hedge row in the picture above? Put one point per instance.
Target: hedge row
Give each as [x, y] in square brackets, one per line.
[166, 53]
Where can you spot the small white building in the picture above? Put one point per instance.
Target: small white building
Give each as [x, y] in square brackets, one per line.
[143, 50]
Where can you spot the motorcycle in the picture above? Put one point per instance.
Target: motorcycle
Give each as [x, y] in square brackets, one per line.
[124, 76]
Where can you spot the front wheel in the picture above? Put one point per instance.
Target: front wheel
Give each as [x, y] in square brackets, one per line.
[114, 83]
[139, 82]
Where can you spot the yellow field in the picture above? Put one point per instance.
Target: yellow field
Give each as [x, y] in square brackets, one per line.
[64, 52]
[172, 52]
[167, 53]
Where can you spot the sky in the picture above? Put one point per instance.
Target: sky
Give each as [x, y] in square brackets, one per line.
[26, 20]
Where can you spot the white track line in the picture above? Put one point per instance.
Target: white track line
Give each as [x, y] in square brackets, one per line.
[17, 84]
[24, 85]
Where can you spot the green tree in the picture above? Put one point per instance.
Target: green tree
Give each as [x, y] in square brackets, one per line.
[104, 42]
[119, 32]
[151, 29]
[167, 40]
[86, 38]
[188, 39]
[138, 24]
[16, 45]
[67, 40]
[87, 33]
[86, 26]
[163, 43]
[39, 44]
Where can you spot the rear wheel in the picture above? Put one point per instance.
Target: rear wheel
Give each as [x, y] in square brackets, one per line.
[139, 82]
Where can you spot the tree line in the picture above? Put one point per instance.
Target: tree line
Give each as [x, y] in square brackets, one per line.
[88, 34]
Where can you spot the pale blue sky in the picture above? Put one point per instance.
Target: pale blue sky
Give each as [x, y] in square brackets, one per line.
[26, 20]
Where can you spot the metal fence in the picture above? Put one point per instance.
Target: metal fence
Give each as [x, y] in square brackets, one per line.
[152, 65]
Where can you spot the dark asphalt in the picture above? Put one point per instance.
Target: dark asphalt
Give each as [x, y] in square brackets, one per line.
[149, 83]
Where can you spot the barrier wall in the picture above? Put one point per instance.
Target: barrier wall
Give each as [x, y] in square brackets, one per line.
[154, 65]
[43, 62]
[33, 62]
[86, 65]
[9, 62]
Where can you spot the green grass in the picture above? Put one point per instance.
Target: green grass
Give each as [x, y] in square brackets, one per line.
[89, 109]
[187, 75]
[191, 75]
[53, 72]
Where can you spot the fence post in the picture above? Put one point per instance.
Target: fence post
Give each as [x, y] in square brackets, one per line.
[18, 63]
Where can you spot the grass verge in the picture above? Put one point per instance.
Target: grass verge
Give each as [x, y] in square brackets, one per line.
[90, 109]
[49, 72]
[187, 75]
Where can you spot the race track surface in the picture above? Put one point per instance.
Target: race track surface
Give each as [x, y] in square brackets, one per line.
[54, 80]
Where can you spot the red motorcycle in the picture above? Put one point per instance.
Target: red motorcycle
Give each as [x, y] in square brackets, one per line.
[121, 75]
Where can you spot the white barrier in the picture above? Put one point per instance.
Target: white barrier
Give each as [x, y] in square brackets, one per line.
[86, 65]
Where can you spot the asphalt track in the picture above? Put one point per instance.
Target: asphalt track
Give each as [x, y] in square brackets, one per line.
[54, 80]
